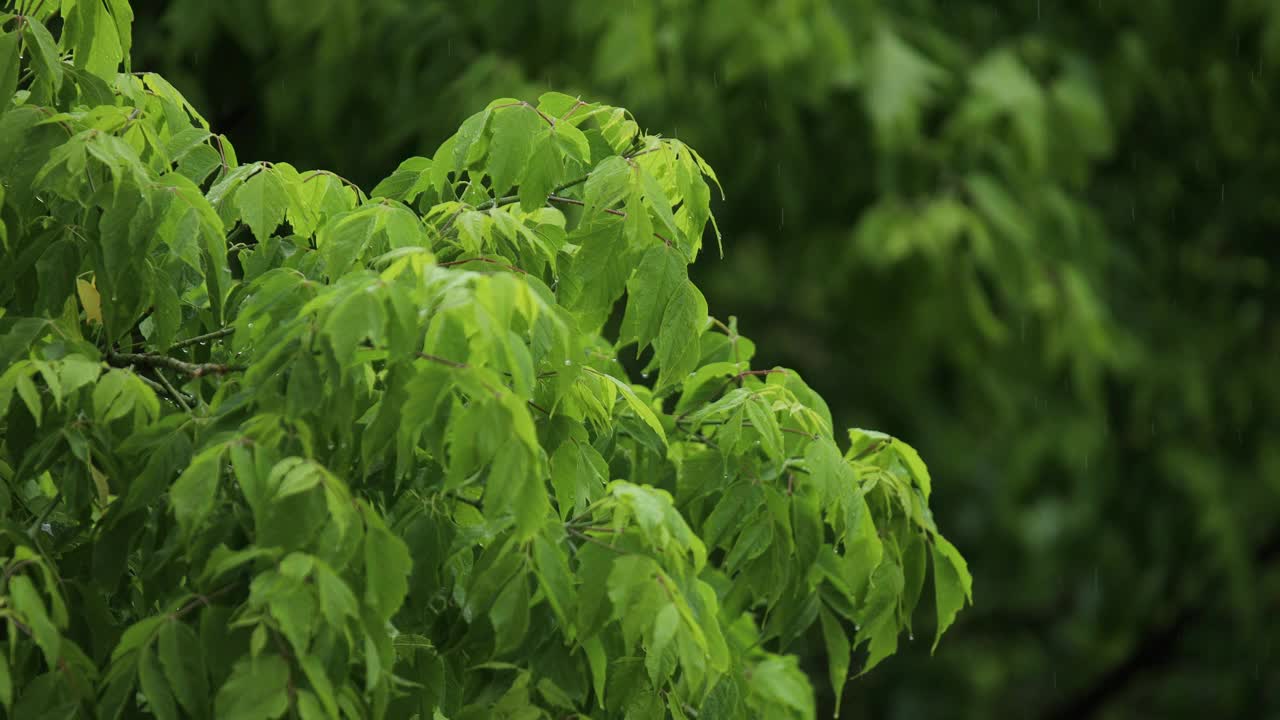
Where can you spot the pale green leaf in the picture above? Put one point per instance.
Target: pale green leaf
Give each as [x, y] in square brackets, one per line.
[263, 200]
[514, 130]
[637, 405]
[837, 643]
[387, 566]
[193, 493]
[952, 583]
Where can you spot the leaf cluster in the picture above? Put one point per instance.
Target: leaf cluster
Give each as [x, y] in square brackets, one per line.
[274, 446]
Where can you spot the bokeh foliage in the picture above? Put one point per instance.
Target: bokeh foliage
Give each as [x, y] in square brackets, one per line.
[1036, 238]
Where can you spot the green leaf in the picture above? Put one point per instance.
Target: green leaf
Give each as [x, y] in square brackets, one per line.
[665, 626]
[596, 273]
[46, 59]
[27, 603]
[410, 179]
[952, 583]
[657, 199]
[514, 132]
[578, 474]
[182, 659]
[193, 493]
[643, 411]
[598, 661]
[468, 135]
[343, 240]
[95, 40]
[387, 566]
[9, 65]
[258, 689]
[606, 186]
[31, 396]
[677, 346]
[838, 650]
[6, 683]
[650, 291]
[510, 614]
[766, 426]
[542, 174]
[915, 465]
[135, 636]
[878, 616]
[308, 706]
[151, 678]
[262, 201]
[551, 566]
[779, 680]
[572, 141]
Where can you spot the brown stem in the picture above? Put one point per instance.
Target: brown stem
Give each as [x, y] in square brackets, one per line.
[219, 333]
[164, 361]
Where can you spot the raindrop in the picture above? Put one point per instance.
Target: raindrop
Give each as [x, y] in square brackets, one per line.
[250, 326]
[644, 375]
[47, 528]
[568, 362]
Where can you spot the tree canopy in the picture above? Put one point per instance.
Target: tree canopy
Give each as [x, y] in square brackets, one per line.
[275, 445]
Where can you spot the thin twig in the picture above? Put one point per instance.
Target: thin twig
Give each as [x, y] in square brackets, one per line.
[491, 261]
[164, 361]
[200, 600]
[596, 541]
[746, 373]
[219, 333]
[173, 391]
[443, 361]
[611, 211]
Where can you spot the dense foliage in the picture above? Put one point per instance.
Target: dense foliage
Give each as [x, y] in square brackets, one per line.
[274, 446]
[1036, 237]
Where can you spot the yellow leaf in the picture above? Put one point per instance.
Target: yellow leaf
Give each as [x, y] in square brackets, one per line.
[89, 298]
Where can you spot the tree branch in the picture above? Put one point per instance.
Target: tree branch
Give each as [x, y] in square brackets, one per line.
[219, 333]
[164, 361]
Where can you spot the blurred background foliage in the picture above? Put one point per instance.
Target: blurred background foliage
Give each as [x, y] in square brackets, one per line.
[1035, 238]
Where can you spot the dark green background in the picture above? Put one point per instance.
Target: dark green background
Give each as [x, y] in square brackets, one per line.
[1036, 239]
